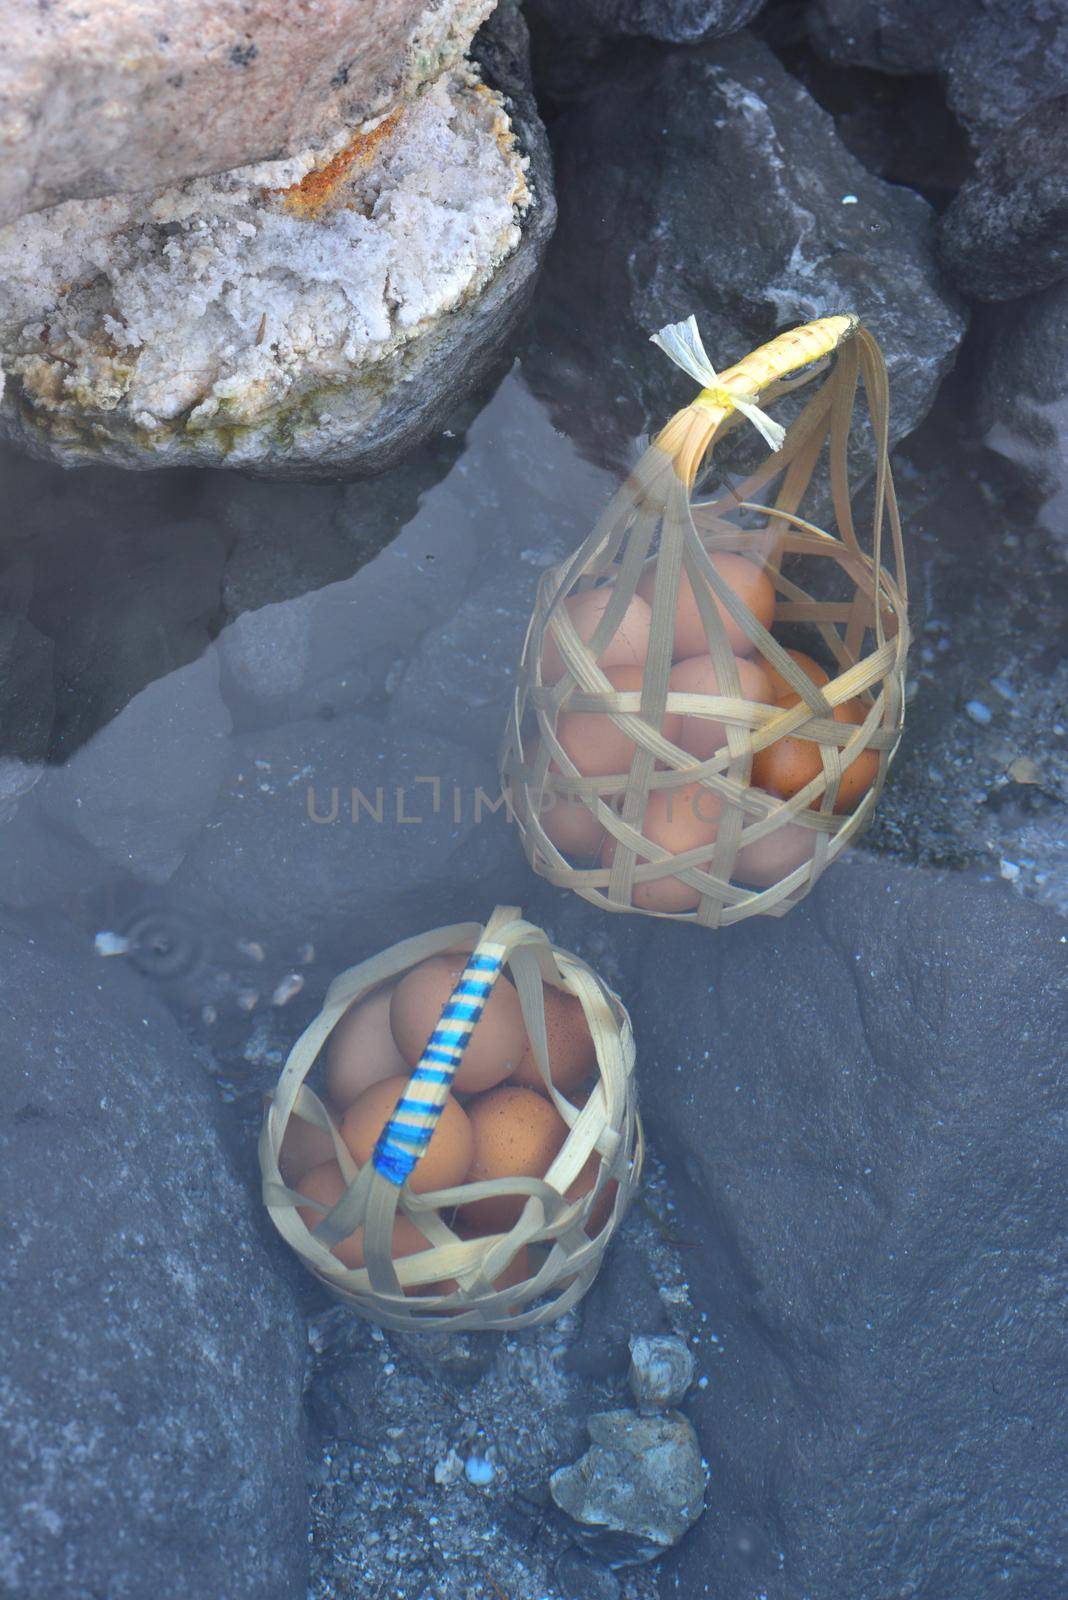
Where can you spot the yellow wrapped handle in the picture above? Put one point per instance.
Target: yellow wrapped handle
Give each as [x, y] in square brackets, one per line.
[687, 436]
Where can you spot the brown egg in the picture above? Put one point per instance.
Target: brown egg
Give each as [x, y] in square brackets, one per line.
[702, 736]
[304, 1146]
[573, 828]
[862, 771]
[786, 766]
[517, 1133]
[585, 1181]
[774, 857]
[811, 669]
[747, 580]
[572, 1056]
[361, 1051]
[597, 747]
[447, 1156]
[570, 825]
[789, 764]
[497, 1040]
[326, 1184]
[517, 1270]
[677, 820]
[627, 647]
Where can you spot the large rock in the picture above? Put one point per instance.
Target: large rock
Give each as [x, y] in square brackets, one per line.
[1005, 233]
[637, 1490]
[708, 181]
[677, 21]
[1023, 397]
[997, 60]
[314, 316]
[150, 1406]
[100, 99]
[863, 1103]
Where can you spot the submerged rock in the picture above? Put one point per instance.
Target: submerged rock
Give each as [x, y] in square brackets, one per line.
[863, 1108]
[709, 181]
[1023, 397]
[312, 316]
[104, 99]
[150, 1408]
[1006, 232]
[638, 1488]
[661, 1371]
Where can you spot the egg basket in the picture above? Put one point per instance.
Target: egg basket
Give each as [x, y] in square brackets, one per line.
[768, 851]
[562, 1257]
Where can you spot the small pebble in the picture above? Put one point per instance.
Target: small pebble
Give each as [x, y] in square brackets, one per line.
[978, 712]
[661, 1371]
[288, 989]
[479, 1471]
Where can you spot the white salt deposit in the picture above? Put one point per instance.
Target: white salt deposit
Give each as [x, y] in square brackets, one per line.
[224, 298]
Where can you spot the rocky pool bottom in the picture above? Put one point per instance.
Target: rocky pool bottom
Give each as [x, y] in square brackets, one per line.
[853, 1203]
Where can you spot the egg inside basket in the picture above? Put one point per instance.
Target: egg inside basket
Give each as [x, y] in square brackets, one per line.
[471, 1140]
[711, 691]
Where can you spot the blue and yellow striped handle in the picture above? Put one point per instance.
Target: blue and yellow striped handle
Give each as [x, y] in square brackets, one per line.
[406, 1135]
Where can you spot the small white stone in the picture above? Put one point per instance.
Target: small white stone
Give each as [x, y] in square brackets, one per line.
[479, 1471]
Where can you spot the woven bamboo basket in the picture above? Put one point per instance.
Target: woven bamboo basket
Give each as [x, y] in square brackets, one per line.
[562, 1257]
[762, 850]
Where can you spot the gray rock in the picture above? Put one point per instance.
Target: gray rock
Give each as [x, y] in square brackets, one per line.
[150, 1407]
[996, 60]
[1006, 232]
[1023, 397]
[867, 1117]
[317, 426]
[661, 1371]
[131, 96]
[709, 181]
[638, 1488]
[143, 788]
[676, 21]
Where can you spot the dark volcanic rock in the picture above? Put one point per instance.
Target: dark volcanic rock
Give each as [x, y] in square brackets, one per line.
[1023, 396]
[868, 1100]
[152, 1359]
[677, 21]
[997, 59]
[709, 181]
[1006, 232]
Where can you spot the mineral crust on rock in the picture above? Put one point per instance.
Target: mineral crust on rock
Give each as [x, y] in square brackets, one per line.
[302, 316]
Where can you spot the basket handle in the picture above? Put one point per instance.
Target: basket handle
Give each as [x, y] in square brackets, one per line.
[738, 388]
[406, 1135]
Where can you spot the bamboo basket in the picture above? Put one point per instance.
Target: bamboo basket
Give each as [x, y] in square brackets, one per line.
[563, 1258]
[768, 851]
